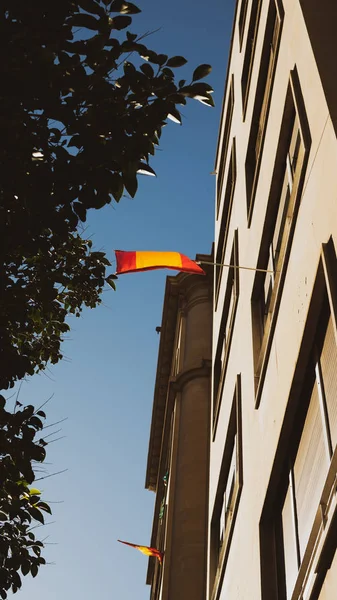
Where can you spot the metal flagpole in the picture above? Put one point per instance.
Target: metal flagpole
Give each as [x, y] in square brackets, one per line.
[205, 262]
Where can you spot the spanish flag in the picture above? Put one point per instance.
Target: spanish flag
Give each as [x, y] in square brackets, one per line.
[130, 262]
[146, 550]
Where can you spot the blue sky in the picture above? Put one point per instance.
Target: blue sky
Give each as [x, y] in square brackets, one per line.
[105, 385]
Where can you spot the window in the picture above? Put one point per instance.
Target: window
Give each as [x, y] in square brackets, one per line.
[227, 496]
[226, 327]
[309, 467]
[250, 50]
[225, 140]
[262, 99]
[306, 480]
[283, 203]
[298, 538]
[281, 225]
[176, 363]
[242, 20]
[225, 219]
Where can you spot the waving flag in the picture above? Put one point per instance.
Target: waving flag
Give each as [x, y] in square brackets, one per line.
[146, 550]
[130, 262]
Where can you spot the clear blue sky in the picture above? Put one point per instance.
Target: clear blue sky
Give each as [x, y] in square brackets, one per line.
[105, 386]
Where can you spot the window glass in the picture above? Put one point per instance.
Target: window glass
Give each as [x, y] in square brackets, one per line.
[329, 374]
[310, 469]
[289, 542]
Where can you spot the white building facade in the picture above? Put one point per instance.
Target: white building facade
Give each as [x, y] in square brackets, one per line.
[273, 459]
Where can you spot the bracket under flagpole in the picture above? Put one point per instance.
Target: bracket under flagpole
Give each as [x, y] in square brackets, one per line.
[214, 264]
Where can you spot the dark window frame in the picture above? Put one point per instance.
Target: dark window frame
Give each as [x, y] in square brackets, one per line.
[248, 61]
[262, 343]
[233, 445]
[321, 545]
[242, 21]
[224, 145]
[226, 329]
[264, 90]
[225, 221]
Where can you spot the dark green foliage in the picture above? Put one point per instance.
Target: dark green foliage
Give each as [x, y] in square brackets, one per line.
[78, 121]
[20, 505]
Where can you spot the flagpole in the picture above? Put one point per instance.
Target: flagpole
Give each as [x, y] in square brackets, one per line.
[214, 264]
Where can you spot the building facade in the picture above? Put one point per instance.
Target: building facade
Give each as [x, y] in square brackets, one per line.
[242, 453]
[178, 458]
[273, 460]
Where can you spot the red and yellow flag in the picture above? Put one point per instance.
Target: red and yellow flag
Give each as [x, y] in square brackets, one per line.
[146, 550]
[130, 262]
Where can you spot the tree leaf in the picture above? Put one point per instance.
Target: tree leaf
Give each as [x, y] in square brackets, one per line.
[168, 73]
[145, 169]
[201, 71]
[34, 569]
[120, 22]
[178, 98]
[161, 59]
[116, 186]
[41, 413]
[208, 101]
[111, 281]
[92, 6]
[130, 183]
[34, 492]
[82, 20]
[36, 422]
[44, 506]
[36, 514]
[147, 70]
[156, 59]
[125, 8]
[16, 580]
[25, 567]
[174, 115]
[80, 210]
[196, 89]
[176, 61]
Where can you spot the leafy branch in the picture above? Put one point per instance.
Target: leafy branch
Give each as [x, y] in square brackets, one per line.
[20, 504]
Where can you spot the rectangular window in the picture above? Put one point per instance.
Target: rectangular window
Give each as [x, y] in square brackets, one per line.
[250, 51]
[179, 342]
[224, 146]
[310, 465]
[225, 220]
[242, 20]
[328, 374]
[226, 327]
[262, 99]
[228, 495]
[290, 540]
[282, 208]
[297, 529]
[282, 220]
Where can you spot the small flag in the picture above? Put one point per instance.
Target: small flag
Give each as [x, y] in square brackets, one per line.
[130, 262]
[146, 550]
